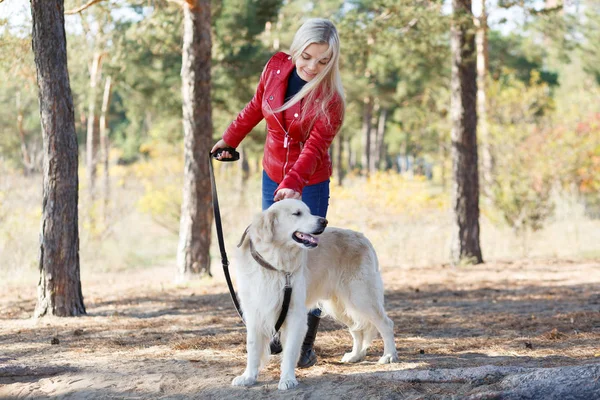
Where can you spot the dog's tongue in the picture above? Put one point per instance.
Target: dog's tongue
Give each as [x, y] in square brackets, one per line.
[307, 237]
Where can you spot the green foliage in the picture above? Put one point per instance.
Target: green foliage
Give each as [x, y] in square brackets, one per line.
[542, 89]
[591, 44]
[397, 52]
[162, 181]
[580, 165]
[146, 65]
[519, 54]
[522, 181]
[238, 54]
[18, 94]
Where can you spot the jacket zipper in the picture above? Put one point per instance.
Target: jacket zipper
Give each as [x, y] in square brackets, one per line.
[286, 145]
[286, 139]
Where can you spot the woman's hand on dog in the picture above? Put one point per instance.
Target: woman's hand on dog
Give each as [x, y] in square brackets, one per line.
[287, 194]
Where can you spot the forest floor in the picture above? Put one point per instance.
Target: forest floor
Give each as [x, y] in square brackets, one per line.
[461, 332]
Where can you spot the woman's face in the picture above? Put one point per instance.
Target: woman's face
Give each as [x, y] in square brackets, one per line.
[312, 61]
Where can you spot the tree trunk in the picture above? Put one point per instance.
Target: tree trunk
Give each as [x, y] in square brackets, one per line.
[339, 151]
[373, 139]
[59, 287]
[193, 256]
[366, 133]
[381, 153]
[28, 165]
[351, 155]
[465, 199]
[93, 141]
[245, 165]
[483, 127]
[443, 152]
[244, 176]
[105, 145]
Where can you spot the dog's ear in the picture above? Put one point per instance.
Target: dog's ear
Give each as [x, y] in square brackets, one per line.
[264, 225]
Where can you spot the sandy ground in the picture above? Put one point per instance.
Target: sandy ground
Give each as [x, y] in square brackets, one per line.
[147, 338]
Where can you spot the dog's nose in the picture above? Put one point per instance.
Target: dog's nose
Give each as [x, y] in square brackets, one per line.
[323, 222]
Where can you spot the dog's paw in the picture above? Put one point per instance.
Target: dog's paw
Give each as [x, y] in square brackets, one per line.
[389, 359]
[353, 357]
[243, 380]
[286, 384]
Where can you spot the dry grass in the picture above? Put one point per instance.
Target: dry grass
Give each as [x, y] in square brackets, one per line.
[407, 220]
[526, 313]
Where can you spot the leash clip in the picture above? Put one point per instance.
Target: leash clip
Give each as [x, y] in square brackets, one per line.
[288, 283]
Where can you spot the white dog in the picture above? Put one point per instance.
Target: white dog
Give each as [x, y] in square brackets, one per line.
[338, 270]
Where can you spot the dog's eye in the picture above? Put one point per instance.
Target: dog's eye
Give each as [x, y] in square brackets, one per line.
[297, 213]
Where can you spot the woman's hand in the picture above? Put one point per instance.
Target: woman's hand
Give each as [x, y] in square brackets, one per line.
[221, 145]
[287, 194]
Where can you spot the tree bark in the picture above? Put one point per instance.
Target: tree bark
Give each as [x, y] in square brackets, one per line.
[93, 141]
[483, 127]
[193, 256]
[338, 162]
[105, 145]
[373, 138]
[465, 199]
[28, 165]
[351, 155]
[381, 153]
[59, 287]
[245, 165]
[244, 176]
[366, 133]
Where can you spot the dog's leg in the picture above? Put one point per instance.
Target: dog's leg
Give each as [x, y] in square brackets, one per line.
[371, 309]
[385, 326]
[358, 352]
[256, 346]
[291, 339]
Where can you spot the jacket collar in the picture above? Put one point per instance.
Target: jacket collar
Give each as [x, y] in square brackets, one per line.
[276, 93]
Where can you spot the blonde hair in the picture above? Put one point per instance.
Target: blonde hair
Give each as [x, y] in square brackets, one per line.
[318, 30]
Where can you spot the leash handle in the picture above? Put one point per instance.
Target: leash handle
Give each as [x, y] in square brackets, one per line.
[235, 155]
[217, 213]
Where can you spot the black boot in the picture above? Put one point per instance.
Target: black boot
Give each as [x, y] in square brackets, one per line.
[275, 345]
[308, 358]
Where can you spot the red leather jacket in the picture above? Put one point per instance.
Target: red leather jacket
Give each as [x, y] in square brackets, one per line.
[295, 152]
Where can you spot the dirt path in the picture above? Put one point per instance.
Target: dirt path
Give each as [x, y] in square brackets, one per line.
[460, 332]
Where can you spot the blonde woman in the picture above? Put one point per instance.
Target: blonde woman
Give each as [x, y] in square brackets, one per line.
[302, 100]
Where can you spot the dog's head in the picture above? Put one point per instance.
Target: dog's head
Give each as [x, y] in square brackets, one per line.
[289, 221]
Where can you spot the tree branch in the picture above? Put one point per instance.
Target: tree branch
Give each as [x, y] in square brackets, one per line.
[83, 7]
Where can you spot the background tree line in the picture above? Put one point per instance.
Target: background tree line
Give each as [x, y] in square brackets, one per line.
[538, 128]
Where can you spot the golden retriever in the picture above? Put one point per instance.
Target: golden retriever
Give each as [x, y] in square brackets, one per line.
[336, 269]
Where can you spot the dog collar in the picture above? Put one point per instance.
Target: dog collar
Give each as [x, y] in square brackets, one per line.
[259, 259]
[255, 254]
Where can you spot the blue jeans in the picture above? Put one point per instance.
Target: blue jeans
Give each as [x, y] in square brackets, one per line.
[315, 196]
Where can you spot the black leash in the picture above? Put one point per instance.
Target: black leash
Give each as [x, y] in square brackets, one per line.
[287, 294]
[217, 212]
